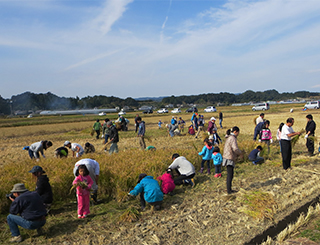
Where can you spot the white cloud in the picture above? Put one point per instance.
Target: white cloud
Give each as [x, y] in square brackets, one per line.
[112, 11]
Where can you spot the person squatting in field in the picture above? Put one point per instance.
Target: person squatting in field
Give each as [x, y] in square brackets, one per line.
[37, 148]
[167, 182]
[149, 191]
[185, 170]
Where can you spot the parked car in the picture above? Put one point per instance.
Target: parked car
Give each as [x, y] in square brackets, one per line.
[210, 109]
[192, 109]
[148, 111]
[176, 110]
[122, 112]
[102, 114]
[312, 105]
[261, 107]
[162, 110]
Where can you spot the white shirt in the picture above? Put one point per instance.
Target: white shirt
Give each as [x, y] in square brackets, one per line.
[285, 131]
[259, 120]
[93, 168]
[74, 147]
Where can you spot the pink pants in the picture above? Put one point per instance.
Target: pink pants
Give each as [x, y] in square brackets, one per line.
[83, 204]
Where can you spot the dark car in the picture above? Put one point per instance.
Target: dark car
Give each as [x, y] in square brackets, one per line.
[148, 111]
[192, 109]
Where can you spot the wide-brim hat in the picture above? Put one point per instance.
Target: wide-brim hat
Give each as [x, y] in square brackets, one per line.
[66, 143]
[19, 188]
[36, 169]
[212, 118]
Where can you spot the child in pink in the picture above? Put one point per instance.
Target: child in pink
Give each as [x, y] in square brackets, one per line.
[167, 184]
[83, 194]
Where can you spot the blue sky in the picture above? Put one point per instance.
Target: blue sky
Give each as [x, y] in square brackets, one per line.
[140, 48]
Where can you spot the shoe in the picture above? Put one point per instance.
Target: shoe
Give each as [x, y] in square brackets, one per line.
[219, 176]
[84, 216]
[192, 183]
[216, 175]
[201, 171]
[16, 239]
[208, 171]
[254, 163]
[157, 207]
[79, 216]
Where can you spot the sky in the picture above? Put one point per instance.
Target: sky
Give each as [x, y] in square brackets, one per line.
[152, 48]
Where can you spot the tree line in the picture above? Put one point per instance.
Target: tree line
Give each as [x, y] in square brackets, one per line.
[29, 101]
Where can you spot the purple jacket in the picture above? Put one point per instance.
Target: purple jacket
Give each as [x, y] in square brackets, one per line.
[212, 127]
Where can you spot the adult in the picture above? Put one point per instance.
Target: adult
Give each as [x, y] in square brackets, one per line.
[123, 123]
[230, 153]
[200, 125]
[77, 150]
[181, 124]
[43, 186]
[173, 121]
[149, 191]
[171, 129]
[89, 148]
[97, 127]
[257, 130]
[260, 118]
[105, 130]
[114, 138]
[94, 171]
[310, 128]
[141, 132]
[61, 152]
[220, 119]
[254, 155]
[31, 209]
[286, 149]
[136, 123]
[37, 148]
[212, 128]
[184, 168]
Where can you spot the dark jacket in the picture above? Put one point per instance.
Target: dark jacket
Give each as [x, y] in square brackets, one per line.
[29, 205]
[142, 128]
[253, 154]
[311, 126]
[113, 134]
[43, 188]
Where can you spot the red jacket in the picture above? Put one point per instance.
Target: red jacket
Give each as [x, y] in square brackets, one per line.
[167, 183]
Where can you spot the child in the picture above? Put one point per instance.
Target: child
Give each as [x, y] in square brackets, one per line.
[266, 136]
[191, 130]
[89, 148]
[149, 190]
[167, 185]
[83, 182]
[206, 154]
[254, 155]
[160, 123]
[217, 161]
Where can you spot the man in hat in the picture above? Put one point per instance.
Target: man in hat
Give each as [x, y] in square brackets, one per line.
[31, 209]
[43, 186]
[77, 149]
[114, 138]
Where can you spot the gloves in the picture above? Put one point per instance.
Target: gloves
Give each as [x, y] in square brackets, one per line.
[102, 136]
[259, 140]
[306, 136]
[129, 194]
[209, 133]
[77, 154]
[271, 141]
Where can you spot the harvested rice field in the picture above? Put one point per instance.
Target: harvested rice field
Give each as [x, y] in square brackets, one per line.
[266, 194]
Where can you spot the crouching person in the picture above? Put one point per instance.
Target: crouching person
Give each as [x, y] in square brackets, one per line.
[149, 190]
[31, 209]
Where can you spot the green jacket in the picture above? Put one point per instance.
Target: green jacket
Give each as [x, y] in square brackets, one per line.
[97, 126]
[105, 129]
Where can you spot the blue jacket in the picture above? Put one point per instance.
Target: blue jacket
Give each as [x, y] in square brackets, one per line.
[150, 188]
[217, 159]
[206, 153]
[142, 128]
[253, 154]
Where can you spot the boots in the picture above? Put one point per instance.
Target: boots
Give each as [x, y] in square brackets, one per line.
[201, 171]
[208, 171]
[216, 175]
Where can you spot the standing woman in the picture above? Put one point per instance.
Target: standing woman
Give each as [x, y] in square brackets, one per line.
[230, 153]
[286, 148]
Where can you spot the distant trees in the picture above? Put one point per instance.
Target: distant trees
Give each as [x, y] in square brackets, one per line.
[4, 106]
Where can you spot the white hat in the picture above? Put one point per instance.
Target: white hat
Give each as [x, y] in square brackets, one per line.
[66, 143]
[212, 118]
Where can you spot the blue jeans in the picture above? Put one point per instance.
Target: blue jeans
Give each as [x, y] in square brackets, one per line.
[220, 121]
[218, 168]
[113, 148]
[15, 220]
[106, 138]
[171, 133]
[31, 154]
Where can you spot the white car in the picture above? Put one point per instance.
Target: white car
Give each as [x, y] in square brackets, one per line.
[122, 112]
[312, 105]
[210, 109]
[176, 110]
[102, 114]
[162, 110]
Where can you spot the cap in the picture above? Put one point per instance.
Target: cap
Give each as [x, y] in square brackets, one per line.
[109, 123]
[19, 188]
[66, 143]
[36, 169]
[212, 118]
